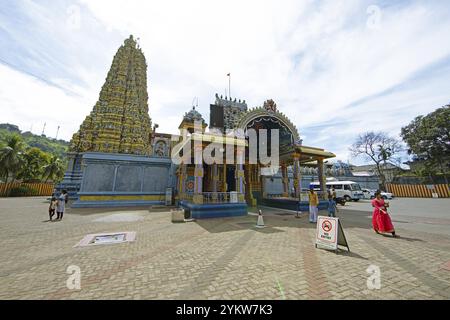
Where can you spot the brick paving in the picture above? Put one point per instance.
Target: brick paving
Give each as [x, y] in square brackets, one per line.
[225, 258]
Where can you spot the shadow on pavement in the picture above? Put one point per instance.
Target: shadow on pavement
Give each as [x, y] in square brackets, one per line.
[275, 219]
[88, 211]
[402, 238]
[352, 255]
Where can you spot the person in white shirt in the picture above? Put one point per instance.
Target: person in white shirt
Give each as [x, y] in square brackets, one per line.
[61, 206]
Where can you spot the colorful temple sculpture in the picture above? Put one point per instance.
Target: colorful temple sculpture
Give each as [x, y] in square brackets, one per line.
[112, 159]
[119, 122]
[118, 159]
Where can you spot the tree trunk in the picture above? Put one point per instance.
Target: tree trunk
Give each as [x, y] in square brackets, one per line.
[381, 175]
[444, 174]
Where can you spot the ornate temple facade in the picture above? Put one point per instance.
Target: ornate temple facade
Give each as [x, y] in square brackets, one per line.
[119, 121]
[226, 187]
[117, 159]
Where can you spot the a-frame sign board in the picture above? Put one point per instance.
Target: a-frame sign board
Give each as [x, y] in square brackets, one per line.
[330, 234]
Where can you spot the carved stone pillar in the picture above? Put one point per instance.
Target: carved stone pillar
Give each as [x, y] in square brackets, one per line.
[182, 179]
[224, 182]
[215, 177]
[263, 182]
[321, 175]
[198, 177]
[297, 175]
[285, 179]
[239, 174]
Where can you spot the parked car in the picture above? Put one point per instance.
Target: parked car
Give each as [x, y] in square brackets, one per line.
[384, 195]
[367, 193]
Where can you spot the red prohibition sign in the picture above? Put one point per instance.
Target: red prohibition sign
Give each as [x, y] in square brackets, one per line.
[326, 226]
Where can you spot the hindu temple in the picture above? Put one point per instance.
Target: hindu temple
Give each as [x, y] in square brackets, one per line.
[117, 158]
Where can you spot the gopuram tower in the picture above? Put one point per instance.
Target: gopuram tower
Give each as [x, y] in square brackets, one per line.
[119, 121]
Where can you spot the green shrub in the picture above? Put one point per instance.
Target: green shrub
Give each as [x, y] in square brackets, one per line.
[22, 191]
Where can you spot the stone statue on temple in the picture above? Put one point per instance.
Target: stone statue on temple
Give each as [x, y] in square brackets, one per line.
[270, 105]
[119, 121]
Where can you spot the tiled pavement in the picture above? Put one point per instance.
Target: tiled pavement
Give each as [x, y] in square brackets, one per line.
[211, 259]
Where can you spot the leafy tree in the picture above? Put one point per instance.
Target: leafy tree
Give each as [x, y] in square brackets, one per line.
[11, 157]
[428, 139]
[46, 144]
[379, 148]
[34, 161]
[54, 170]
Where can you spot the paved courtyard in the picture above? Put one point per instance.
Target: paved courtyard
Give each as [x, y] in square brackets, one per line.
[222, 258]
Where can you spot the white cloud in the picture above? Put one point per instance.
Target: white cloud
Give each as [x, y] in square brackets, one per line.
[30, 103]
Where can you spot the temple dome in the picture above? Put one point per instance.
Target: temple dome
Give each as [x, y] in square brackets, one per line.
[190, 118]
[193, 115]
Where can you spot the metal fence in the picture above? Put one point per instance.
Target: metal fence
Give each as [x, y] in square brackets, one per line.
[26, 189]
[419, 190]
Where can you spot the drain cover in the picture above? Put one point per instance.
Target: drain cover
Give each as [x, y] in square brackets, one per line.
[110, 238]
[106, 238]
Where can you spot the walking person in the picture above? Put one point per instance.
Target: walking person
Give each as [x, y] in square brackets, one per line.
[52, 207]
[332, 208]
[333, 193]
[61, 206]
[380, 220]
[313, 203]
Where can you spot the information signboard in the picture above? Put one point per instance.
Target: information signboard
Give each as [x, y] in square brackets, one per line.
[329, 233]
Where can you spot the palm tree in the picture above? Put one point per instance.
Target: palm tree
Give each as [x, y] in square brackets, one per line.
[11, 157]
[54, 169]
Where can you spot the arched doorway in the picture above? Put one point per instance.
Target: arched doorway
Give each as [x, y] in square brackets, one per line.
[268, 118]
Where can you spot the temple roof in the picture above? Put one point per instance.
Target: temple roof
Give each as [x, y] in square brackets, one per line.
[229, 102]
[193, 115]
[190, 119]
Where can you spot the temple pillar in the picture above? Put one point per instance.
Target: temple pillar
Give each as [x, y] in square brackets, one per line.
[198, 177]
[249, 188]
[263, 182]
[215, 180]
[285, 179]
[224, 182]
[239, 174]
[297, 176]
[181, 180]
[321, 175]
[183, 177]
[215, 177]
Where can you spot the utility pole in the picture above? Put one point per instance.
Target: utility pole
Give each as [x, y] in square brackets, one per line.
[43, 129]
[57, 131]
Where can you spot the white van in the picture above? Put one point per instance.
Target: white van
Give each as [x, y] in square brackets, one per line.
[348, 190]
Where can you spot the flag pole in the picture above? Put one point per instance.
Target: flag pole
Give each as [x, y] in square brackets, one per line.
[229, 84]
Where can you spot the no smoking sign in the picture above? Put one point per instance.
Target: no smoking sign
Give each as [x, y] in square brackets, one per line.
[327, 232]
[327, 226]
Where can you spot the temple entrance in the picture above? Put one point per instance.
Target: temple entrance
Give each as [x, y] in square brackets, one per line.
[256, 174]
[231, 180]
[259, 172]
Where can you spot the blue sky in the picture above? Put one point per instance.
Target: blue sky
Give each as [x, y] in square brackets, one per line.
[336, 68]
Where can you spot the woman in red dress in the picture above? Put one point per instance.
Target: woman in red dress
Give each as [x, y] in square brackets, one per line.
[381, 221]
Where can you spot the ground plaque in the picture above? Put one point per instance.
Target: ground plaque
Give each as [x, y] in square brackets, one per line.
[106, 238]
